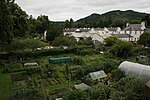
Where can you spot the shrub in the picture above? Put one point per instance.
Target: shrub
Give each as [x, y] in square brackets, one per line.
[78, 60]
[76, 95]
[117, 74]
[122, 49]
[86, 52]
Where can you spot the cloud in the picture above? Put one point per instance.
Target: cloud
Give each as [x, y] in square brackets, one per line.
[66, 9]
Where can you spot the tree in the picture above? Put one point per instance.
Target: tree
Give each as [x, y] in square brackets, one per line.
[67, 24]
[122, 49]
[53, 31]
[27, 43]
[64, 41]
[76, 95]
[42, 24]
[71, 23]
[118, 23]
[145, 39]
[18, 44]
[109, 21]
[33, 43]
[147, 20]
[19, 18]
[32, 26]
[111, 40]
[6, 23]
[86, 41]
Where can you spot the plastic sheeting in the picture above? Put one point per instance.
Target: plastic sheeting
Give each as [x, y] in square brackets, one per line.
[135, 70]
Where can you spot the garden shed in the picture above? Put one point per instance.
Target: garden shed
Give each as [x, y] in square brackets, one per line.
[82, 87]
[97, 75]
[59, 60]
[135, 70]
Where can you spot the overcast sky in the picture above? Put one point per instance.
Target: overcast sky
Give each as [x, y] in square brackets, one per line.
[60, 10]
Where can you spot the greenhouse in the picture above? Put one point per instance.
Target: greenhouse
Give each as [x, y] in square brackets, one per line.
[97, 75]
[59, 60]
[82, 87]
[135, 70]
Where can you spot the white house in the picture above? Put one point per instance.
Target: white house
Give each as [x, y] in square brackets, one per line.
[97, 34]
[131, 32]
[135, 30]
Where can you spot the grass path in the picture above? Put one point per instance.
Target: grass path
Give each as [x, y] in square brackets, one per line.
[5, 84]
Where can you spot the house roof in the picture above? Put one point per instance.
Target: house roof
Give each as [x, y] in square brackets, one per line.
[122, 35]
[98, 75]
[112, 29]
[82, 87]
[97, 37]
[133, 27]
[76, 30]
[70, 30]
[147, 30]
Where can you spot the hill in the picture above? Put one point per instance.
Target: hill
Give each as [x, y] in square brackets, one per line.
[112, 18]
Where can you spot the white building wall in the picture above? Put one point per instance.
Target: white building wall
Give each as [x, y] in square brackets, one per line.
[124, 39]
[104, 33]
[136, 35]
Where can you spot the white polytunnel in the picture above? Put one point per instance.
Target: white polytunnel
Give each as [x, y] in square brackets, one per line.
[135, 70]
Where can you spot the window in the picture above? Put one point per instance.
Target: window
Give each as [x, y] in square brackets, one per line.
[135, 32]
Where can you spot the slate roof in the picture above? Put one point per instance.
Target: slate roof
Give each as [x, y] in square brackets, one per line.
[133, 27]
[147, 30]
[122, 35]
[112, 29]
[74, 30]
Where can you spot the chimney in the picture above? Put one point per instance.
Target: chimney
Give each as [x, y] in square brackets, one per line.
[143, 26]
[127, 24]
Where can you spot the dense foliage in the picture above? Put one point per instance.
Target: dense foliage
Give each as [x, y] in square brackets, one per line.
[99, 92]
[145, 39]
[6, 23]
[128, 89]
[64, 41]
[110, 41]
[112, 19]
[76, 95]
[123, 49]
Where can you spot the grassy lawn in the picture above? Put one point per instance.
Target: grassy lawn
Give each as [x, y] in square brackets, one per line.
[5, 85]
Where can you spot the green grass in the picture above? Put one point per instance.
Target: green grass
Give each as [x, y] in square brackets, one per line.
[5, 85]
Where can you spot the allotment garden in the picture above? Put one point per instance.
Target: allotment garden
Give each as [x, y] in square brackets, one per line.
[47, 76]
